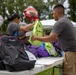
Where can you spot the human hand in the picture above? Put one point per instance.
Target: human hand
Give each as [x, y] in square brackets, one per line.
[33, 38]
[33, 23]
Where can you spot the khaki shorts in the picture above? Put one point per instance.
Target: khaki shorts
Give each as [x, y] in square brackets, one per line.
[69, 63]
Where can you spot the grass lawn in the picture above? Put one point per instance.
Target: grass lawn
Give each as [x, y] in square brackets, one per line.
[49, 72]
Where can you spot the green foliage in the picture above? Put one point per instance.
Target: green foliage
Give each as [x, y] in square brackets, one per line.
[8, 7]
[72, 11]
[49, 72]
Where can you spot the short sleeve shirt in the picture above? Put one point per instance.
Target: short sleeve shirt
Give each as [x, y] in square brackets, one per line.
[12, 28]
[66, 34]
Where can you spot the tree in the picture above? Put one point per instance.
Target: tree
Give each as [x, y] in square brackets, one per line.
[72, 10]
[8, 7]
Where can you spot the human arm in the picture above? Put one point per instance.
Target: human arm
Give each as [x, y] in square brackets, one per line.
[23, 37]
[27, 27]
[49, 38]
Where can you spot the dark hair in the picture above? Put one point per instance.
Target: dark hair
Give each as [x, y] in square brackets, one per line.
[58, 6]
[13, 16]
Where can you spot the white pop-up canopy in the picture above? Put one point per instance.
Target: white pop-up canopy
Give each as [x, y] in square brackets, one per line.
[48, 24]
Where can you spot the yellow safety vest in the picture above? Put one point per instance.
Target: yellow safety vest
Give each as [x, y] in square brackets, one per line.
[37, 30]
[51, 50]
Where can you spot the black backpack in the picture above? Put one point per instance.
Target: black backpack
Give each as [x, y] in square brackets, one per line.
[2, 66]
[13, 54]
